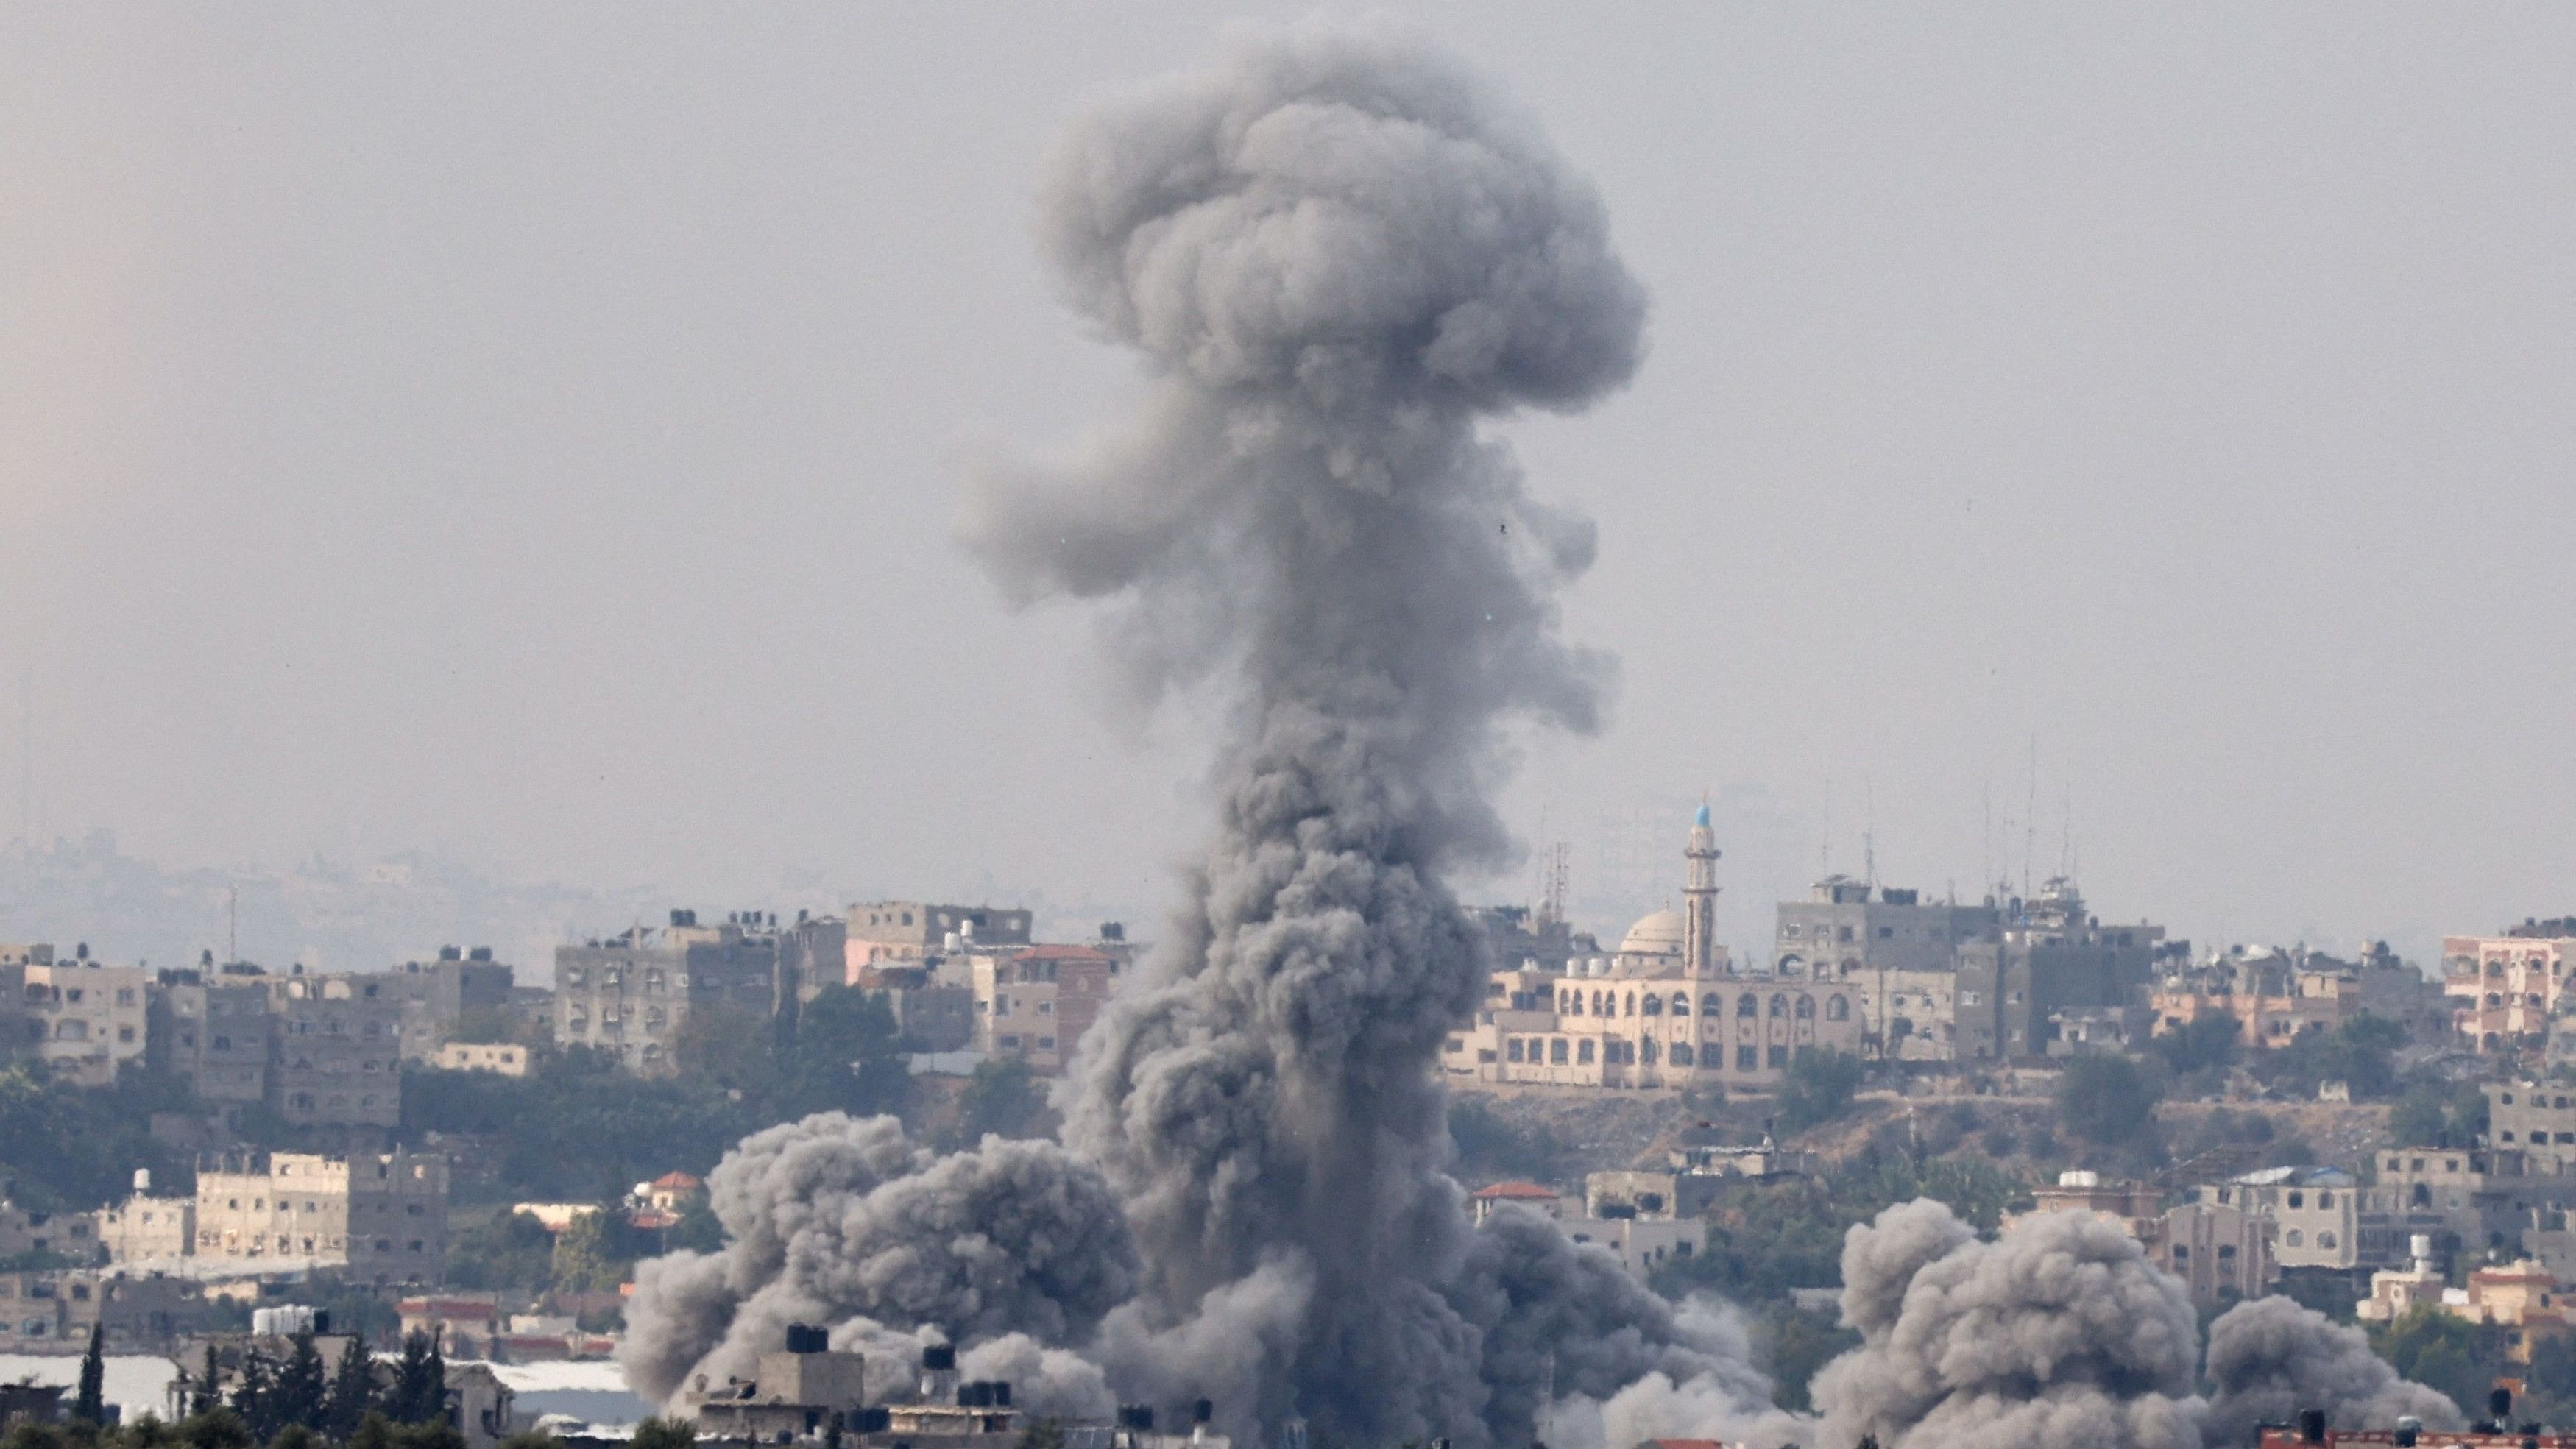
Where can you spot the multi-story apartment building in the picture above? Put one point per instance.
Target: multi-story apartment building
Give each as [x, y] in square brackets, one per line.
[2272, 997]
[633, 993]
[436, 995]
[83, 1018]
[145, 1229]
[381, 1217]
[2221, 1252]
[2047, 957]
[887, 932]
[209, 1029]
[2504, 989]
[2535, 1119]
[336, 1049]
[1898, 952]
[1036, 1003]
[53, 1312]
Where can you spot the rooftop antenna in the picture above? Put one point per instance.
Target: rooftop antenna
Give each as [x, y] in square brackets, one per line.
[1986, 840]
[2066, 845]
[27, 755]
[1825, 848]
[1868, 834]
[1552, 894]
[232, 925]
[2030, 819]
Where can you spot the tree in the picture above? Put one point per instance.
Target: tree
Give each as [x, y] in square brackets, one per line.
[251, 1395]
[89, 1406]
[208, 1395]
[2198, 1044]
[1001, 1098]
[845, 1055]
[215, 1428]
[298, 1436]
[420, 1382]
[1818, 1088]
[699, 1229]
[352, 1392]
[506, 1250]
[300, 1386]
[596, 1251]
[1046, 1433]
[2441, 1350]
[2105, 1100]
[670, 1433]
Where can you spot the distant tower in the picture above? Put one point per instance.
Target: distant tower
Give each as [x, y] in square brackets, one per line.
[1699, 899]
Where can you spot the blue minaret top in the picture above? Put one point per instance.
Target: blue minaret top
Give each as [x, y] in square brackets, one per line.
[1701, 819]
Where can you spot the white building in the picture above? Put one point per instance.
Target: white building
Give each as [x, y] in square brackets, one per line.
[85, 1019]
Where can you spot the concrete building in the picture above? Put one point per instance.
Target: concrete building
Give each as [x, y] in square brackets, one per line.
[68, 1235]
[2221, 1252]
[2272, 997]
[85, 1019]
[1667, 1010]
[2316, 1213]
[1035, 1003]
[1899, 952]
[801, 1390]
[209, 1028]
[145, 1229]
[892, 932]
[2504, 989]
[53, 1312]
[459, 1056]
[635, 992]
[382, 1217]
[336, 1054]
[436, 995]
[1546, 1200]
[813, 953]
[2535, 1119]
[2047, 957]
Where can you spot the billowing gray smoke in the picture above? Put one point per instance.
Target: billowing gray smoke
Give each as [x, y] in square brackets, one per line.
[1339, 254]
[833, 1219]
[2059, 1332]
[2270, 1359]
[2062, 1332]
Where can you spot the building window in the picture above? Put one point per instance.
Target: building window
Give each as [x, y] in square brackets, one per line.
[1747, 1058]
[1681, 1054]
[1747, 1007]
[1583, 1052]
[2295, 1238]
[1837, 1009]
[1806, 1008]
[1777, 1057]
[1512, 1050]
[1779, 1007]
[1556, 1051]
[1709, 1005]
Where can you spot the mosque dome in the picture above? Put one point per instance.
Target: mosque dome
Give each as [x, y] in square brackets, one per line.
[1659, 934]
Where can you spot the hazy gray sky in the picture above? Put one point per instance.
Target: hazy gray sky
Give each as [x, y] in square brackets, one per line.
[534, 432]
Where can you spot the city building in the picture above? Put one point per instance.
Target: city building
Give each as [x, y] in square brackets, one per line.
[461, 1056]
[2504, 989]
[1035, 1003]
[1899, 952]
[801, 1390]
[84, 1018]
[53, 1312]
[145, 1229]
[335, 1059]
[891, 932]
[437, 995]
[2045, 958]
[2535, 1119]
[2221, 1252]
[1667, 1010]
[208, 1028]
[1483, 1201]
[2315, 1213]
[2272, 997]
[633, 993]
[381, 1217]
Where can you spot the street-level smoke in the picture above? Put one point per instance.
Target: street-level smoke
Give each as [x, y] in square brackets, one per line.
[2271, 1360]
[834, 1219]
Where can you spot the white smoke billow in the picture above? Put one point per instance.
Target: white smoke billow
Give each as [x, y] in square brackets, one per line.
[1340, 255]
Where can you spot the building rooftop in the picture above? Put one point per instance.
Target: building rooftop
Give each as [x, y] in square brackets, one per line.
[1514, 1191]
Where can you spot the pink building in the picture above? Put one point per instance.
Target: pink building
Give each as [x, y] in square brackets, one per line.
[2504, 989]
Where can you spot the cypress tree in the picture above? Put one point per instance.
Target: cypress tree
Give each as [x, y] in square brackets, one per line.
[300, 1386]
[90, 1405]
[353, 1390]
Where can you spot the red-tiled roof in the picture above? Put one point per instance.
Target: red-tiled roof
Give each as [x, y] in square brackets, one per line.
[680, 1180]
[1515, 1190]
[1686, 1444]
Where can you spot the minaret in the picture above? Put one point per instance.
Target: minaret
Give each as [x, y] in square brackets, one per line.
[1699, 899]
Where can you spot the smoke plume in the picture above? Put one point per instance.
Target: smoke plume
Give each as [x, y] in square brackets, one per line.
[2059, 1332]
[2270, 1358]
[836, 1218]
[1339, 254]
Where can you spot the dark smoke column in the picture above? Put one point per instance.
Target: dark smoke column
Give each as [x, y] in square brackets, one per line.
[1338, 252]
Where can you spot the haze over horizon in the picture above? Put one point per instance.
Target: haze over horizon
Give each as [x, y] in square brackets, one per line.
[538, 442]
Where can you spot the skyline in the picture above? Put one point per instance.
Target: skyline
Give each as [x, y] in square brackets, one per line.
[564, 482]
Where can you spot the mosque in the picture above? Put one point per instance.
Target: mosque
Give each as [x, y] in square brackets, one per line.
[1668, 1010]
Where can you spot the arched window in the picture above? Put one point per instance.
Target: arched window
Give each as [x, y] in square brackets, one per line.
[1646, 1051]
[1681, 1003]
[1632, 1005]
[1837, 1009]
[1793, 965]
[1711, 1005]
[1850, 965]
[1596, 1003]
[2422, 1196]
[1748, 1005]
[1806, 1008]
[1681, 1053]
[1654, 1004]
[1779, 1007]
